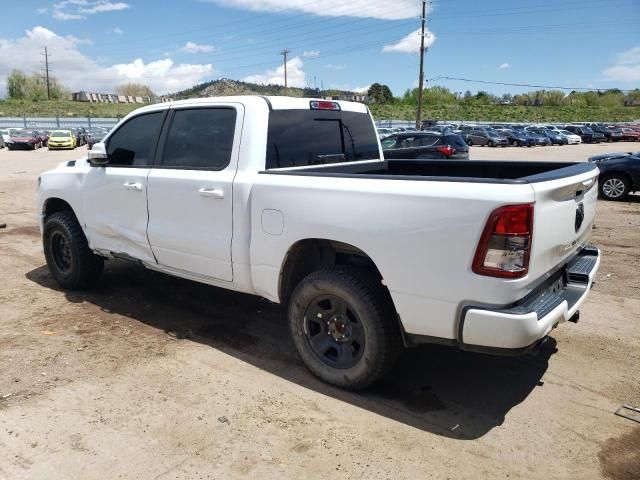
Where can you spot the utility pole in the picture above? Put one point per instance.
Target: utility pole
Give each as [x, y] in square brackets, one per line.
[284, 53]
[46, 70]
[421, 76]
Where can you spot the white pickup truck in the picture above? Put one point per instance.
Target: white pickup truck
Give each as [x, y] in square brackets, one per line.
[291, 199]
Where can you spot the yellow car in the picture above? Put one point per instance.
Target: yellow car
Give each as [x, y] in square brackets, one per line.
[62, 139]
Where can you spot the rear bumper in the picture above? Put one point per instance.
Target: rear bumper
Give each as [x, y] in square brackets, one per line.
[512, 329]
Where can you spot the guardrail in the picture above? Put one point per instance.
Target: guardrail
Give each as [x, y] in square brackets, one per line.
[56, 122]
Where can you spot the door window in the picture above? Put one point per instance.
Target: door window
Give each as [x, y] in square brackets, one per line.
[133, 144]
[389, 142]
[200, 139]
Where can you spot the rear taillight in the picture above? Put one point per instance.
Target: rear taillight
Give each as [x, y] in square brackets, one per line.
[446, 150]
[505, 244]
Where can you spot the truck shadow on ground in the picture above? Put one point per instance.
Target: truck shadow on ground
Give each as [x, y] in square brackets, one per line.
[433, 388]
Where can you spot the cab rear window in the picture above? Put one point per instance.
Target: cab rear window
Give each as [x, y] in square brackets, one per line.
[299, 138]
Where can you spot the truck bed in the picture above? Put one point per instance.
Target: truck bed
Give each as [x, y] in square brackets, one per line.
[505, 172]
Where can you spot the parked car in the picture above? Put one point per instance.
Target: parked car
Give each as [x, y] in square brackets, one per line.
[610, 134]
[302, 209]
[95, 135]
[383, 132]
[60, 139]
[586, 134]
[425, 145]
[488, 137]
[24, 140]
[554, 137]
[572, 138]
[630, 135]
[518, 138]
[43, 135]
[619, 174]
[541, 140]
[80, 134]
[5, 134]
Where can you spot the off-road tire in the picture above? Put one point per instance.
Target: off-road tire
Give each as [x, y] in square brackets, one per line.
[371, 303]
[83, 267]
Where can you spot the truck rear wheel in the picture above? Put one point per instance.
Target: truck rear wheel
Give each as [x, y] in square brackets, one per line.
[71, 263]
[342, 323]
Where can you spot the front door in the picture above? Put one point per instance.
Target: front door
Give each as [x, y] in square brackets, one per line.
[115, 196]
[190, 190]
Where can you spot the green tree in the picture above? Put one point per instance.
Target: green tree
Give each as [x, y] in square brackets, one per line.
[553, 98]
[379, 93]
[134, 90]
[16, 85]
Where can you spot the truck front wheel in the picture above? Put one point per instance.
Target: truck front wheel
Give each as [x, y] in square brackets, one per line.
[71, 263]
[343, 326]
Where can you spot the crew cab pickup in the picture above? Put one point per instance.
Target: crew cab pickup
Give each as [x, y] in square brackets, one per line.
[291, 199]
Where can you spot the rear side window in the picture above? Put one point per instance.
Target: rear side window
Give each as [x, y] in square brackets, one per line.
[455, 141]
[133, 144]
[200, 139]
[299, 138]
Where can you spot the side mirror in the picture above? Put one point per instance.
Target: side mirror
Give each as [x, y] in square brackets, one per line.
[98, 155]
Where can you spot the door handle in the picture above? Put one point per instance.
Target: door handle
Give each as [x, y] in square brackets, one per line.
[211, 192]
[133, 186]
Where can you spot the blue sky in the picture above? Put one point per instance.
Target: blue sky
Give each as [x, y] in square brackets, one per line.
[170, 45]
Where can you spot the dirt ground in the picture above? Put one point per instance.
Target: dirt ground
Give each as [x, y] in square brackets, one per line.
[152, 377]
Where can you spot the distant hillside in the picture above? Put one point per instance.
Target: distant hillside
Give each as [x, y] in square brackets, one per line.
[226, 86]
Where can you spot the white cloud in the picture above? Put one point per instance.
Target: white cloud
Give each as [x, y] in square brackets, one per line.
[116, 30]
[191, 47]
[334, 66]
[78, 9]
[364, 89]
[626, 67]
[504, 66]
[79, 72]
[58, 15]
[105, 7]
[392, 10]
[311, 53]
[79, 41]
[295, 75]
[411, 43]
[42, 10]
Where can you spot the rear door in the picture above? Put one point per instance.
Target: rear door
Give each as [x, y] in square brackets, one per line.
[191, 188]
[563, 217]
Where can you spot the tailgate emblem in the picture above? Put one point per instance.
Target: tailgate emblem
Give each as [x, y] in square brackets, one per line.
[579, 216]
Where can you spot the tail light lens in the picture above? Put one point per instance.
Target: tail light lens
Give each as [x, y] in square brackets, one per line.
[446, 150]
[505, 245]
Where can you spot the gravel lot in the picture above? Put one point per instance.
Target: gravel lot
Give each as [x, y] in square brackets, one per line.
[152, 377]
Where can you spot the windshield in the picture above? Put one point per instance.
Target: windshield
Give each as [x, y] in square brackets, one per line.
[61, 133]
[22, 133]
[298, 138]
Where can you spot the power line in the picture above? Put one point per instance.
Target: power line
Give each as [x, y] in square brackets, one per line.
[528, 85]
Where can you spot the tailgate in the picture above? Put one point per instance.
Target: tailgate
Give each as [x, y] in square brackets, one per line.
[563, 217]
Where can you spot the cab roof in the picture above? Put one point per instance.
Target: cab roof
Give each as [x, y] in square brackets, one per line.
[274, 103]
